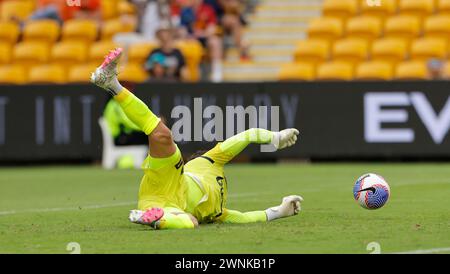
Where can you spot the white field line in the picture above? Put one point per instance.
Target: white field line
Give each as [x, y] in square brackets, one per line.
[118, 204]
[426, 251]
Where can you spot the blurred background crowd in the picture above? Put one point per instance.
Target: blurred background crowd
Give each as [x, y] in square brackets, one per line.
[62, 41]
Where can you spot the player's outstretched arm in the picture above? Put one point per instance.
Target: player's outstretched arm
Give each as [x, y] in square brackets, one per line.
[290, 206]
[160, 136]
[282, 139]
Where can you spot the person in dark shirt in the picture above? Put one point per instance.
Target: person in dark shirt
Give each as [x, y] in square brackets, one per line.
[166, 63]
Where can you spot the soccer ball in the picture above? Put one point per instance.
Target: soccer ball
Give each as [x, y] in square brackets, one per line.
[371, 191]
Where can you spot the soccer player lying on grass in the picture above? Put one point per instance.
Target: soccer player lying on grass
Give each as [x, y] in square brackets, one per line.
[175, 195]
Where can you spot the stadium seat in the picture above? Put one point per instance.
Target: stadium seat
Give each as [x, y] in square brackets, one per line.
[83, 30]
[80, 73]
[41, 31]
[113, 27]
[374, 70]
[403, 26]
[419, 8]
[31, 53]
[109, 9]
[391, 50]
[351, 50]
[69, 53]
[427, 48]
[16, 9]
[443, 6]
[138, 52]
[133, 73]
[99, 50]
[13, 74]
[446, 72]
[9, 32]
[5, 53]
[438, 26]
[51, 74]
[335, 71]
[297, 71]
[366, 27]
[325, 28]
[341, 9]
[387, 8]
[126, 7]
[193, 52]
[411, 70]
[312, 51]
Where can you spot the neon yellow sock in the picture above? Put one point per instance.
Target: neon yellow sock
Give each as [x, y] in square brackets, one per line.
[173, 221]
[137, 111]
[234, 145]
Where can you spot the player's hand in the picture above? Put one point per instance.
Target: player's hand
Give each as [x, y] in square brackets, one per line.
[290, 206]
[285, 138]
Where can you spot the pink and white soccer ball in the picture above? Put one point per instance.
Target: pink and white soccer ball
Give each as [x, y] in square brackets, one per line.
[371, 191]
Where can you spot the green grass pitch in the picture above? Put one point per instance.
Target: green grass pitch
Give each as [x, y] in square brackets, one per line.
[42, 209]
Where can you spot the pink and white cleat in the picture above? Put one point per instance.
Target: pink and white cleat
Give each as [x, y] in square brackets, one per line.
[105, 76]
[149, 217]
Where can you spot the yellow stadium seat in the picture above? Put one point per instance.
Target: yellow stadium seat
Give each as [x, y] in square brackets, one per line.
[411, 70]
[80, 73]
[391, 50]
[41, 31]
[325, 28]
[297, 71]
[427, 48]
[69, 53]
[341, 9]
[374, 70]
[126, 7]
[83, 30]
[31, 53]
[9, 32]
[5, 53]
[109, 9]
[113, 27]
[99, 50]
[446, 72]
[403, 26]
[193, 52]
[387, 8]
[366, 27]
[312, 51]
[438, 26]
[443, 6]
[138, 53]
[52, 74]
[13, 74]
[335, 71]
[15, 9]
[133, 73]
[352, 50]
[419, 8]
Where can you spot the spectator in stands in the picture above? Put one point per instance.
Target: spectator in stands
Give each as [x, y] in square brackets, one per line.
[150, 13]
[60, 10]
[436, 69]
[166, 63]
[200, 21]
[230, 13]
